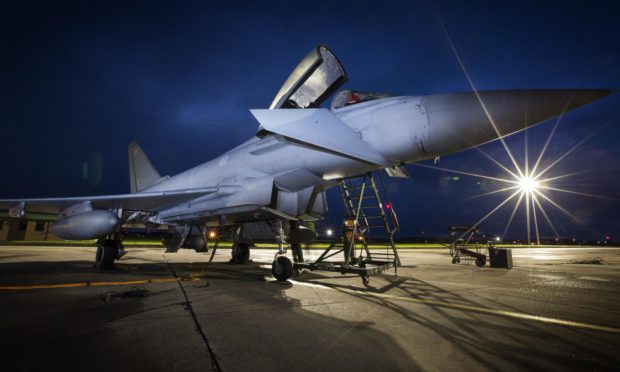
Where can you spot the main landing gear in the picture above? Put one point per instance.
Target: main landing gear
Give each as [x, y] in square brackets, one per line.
[108, 250]
[241, 247]
[282, 266]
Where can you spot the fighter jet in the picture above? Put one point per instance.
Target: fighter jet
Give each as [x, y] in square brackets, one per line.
[275, 182]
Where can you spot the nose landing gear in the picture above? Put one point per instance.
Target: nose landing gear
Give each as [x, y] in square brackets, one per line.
[282, 266]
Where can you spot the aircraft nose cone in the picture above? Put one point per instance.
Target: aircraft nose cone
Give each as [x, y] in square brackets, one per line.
[462, 120]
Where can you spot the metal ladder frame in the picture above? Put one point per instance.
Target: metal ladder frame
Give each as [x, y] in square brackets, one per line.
[354, 207]
[358, 211]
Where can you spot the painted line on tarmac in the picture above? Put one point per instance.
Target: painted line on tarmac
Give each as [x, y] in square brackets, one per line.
[95, 284]
[504, 313]
[483, 310]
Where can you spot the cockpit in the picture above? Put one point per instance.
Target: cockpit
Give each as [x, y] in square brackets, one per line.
[349, 97]
[314, 79]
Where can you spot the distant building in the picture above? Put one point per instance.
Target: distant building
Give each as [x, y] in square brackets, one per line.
[16, 230]
[4, 230]
[22, 230]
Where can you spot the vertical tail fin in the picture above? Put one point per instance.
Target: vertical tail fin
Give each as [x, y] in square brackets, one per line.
[142, 173]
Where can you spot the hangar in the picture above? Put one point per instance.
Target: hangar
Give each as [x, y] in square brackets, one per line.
[16, 230]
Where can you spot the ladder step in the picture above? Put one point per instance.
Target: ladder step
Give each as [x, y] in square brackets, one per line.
[354, 197]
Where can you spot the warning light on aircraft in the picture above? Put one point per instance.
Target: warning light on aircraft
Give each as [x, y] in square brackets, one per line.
[388, 206]
[607, 237]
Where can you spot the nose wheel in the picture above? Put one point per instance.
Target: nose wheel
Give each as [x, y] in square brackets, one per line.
[282, 268]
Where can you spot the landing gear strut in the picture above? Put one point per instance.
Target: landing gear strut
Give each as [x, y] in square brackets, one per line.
[298, 253]
[282, 266]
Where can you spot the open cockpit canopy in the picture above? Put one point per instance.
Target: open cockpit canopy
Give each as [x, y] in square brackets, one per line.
[314, 79]
[349, 97]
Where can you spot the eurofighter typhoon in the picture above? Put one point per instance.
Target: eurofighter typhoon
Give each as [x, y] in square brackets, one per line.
[276, 181]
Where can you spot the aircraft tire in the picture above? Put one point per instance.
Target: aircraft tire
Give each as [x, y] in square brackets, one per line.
[105, 255]
[480, 262]
[282, 268]
[197, 243]
[240, 253]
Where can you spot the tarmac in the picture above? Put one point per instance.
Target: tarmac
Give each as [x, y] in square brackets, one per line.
[556, 309]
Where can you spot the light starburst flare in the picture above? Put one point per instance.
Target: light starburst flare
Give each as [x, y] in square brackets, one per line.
[528, 184]
[529, 188]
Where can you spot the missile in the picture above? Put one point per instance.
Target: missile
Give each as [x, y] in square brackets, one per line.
[87, 225]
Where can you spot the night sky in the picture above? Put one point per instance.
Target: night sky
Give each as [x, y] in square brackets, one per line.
[80, 80]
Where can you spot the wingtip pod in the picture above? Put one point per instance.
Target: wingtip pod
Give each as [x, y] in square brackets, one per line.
[462, 120]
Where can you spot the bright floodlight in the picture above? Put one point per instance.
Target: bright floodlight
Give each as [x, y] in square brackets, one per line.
[329, 232]
[527, 184]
